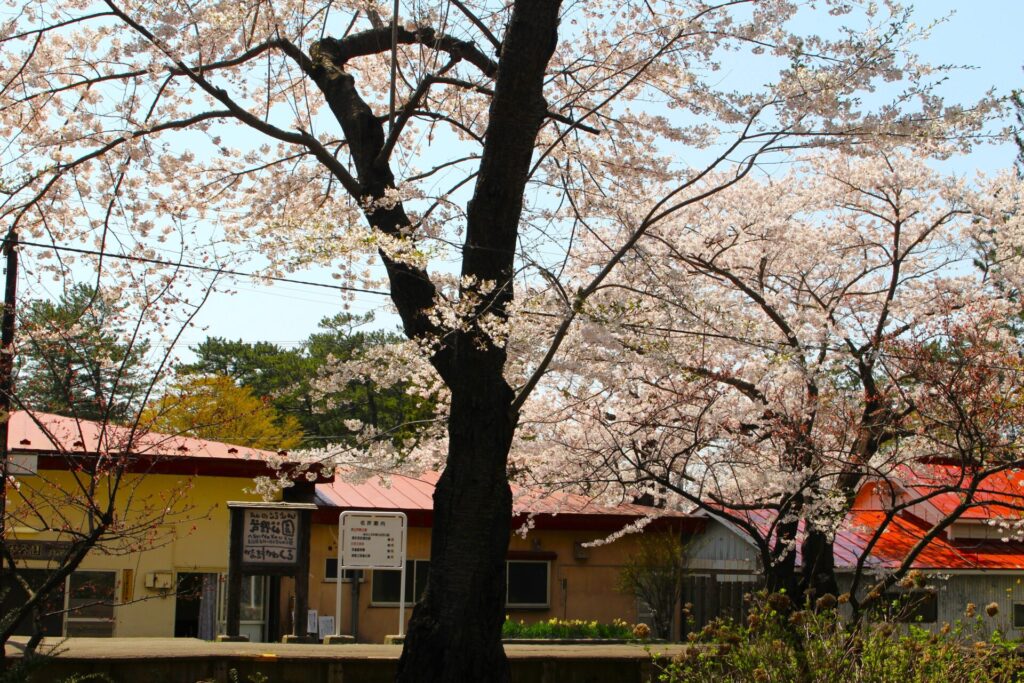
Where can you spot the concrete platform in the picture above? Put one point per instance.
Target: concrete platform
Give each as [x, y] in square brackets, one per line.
[187, 660]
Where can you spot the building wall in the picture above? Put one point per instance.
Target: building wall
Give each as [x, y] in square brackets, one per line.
[193, 537]
[955, 591]
[719, 549]
[579, 588]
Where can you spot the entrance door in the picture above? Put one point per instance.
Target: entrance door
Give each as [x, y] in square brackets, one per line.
[195, 606]
[253, 614]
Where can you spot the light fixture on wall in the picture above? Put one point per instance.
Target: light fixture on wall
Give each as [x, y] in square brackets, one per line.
[580, 552]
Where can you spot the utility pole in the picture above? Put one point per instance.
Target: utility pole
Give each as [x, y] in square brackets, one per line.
[7, 328]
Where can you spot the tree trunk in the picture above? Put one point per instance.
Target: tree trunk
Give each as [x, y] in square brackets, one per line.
[819, 571]
[455, 631]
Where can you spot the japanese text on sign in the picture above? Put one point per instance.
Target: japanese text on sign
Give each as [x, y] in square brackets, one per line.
[270, 536]
[372, 542]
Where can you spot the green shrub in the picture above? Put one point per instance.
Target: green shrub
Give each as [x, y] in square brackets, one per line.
[556, 628]
[780, 643]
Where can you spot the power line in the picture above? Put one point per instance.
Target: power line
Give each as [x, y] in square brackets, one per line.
[637, 327]
[209, 269]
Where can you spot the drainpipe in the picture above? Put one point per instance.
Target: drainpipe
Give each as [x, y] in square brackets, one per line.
[357, 576]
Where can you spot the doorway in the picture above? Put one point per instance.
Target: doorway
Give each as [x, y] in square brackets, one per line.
[195, 607]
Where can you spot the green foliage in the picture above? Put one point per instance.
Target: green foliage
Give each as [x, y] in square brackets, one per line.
[21, 669]
[76, 357]
[654, 573]
[89, 678]
[286, 377]
[556, 629]
[779, 643]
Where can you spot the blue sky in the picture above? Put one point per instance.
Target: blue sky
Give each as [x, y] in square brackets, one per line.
[983, 34]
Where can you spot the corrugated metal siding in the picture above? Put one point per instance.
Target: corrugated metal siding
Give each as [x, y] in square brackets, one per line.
[718, 548]
[956, 590]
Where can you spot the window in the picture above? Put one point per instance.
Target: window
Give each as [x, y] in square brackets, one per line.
[331, 572]
[387, 583]
[1018, 615]
[917, 607]
[90, 604]
[527, 583]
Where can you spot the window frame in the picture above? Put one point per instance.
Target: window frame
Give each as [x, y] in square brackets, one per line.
[70, 618]
[346, 576]
[1018, 610]
[547, 586]
[410, 600]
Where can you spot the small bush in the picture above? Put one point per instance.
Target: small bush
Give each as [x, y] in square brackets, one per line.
[556, 628]
[780, 643]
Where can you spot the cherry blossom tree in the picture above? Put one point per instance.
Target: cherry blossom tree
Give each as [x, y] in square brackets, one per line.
[467, 147]
[765, 353]
[87, 497]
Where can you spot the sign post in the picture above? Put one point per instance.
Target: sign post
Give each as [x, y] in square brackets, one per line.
[269, 539]
[372, 540]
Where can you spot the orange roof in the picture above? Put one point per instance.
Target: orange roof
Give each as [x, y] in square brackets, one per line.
[1001, 493]
[903, 533]
[899, 537]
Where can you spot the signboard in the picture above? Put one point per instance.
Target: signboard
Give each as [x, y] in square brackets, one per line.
[269, 539]
[39, 550]
[372, 541]
[270, 536]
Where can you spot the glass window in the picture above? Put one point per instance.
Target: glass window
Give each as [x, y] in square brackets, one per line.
[527, 583]
[90, 604]
[331, 571]
[387, 583]
[1018, 615]
[254, 592]
[916, 607]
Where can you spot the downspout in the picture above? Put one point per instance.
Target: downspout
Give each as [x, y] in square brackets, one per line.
[357, 577]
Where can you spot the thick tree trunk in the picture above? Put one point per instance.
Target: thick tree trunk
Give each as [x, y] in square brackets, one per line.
[455, 632]
[819, 570]
[781, 575]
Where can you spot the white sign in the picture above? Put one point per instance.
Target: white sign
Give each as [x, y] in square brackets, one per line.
[372, 541]
[326, 626]
[312, 625]
[270, 536]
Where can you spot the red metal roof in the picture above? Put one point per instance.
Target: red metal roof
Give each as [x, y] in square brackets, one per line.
[414, 496]
[1002, 493]
[45, 435]
[903, 533]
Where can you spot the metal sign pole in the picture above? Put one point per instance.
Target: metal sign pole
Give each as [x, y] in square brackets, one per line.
[401, 605]
[337, 596]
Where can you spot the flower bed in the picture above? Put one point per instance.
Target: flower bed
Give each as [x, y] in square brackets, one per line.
[575, 630]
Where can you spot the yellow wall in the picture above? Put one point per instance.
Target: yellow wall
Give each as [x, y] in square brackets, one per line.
[580, 589]
[195, 538]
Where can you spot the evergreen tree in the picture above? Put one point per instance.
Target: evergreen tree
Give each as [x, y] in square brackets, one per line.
[77, 357]
[285, 378]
